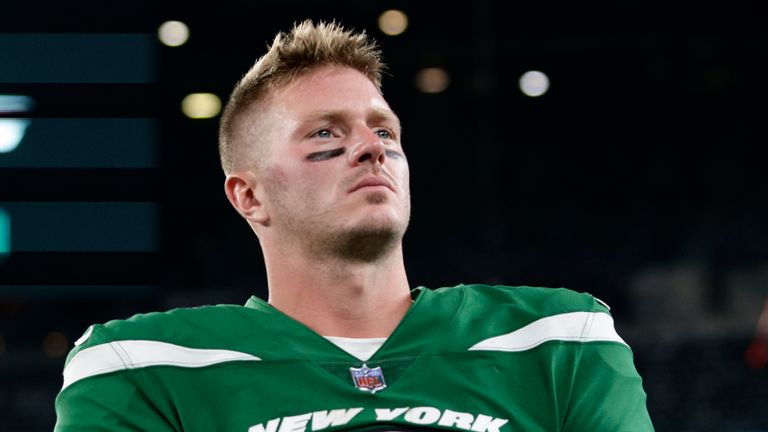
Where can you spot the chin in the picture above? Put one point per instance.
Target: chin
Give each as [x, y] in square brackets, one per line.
[376, 197]
[368, 240]
[380, 222]
[366, 244]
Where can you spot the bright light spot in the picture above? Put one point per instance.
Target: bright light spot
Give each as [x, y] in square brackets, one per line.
[173, 33]
[5, 233]
[12, 129]
[534, 83]
[201, 105]
[11, 132]
[393, 22]
[16, 103]
[432, 80]
[55, 344]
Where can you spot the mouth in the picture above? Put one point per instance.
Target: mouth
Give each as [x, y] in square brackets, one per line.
[372, 183]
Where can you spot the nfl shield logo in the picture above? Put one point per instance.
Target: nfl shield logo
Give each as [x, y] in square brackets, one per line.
[368, 379]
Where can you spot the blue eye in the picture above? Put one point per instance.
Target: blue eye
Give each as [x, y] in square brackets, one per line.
[384, 134]
[323, 133]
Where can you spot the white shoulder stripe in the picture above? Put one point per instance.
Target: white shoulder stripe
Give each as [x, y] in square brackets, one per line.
[131, 354]
[573, 326]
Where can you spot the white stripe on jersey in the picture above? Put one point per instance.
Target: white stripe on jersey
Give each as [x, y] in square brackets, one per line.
[573, 326]
[132, 354]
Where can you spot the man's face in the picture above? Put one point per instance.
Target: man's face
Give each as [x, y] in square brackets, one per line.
[335, 166]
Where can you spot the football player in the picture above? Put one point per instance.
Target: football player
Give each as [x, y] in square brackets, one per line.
[314, 163]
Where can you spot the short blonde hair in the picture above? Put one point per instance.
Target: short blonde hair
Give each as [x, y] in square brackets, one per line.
[308, 45]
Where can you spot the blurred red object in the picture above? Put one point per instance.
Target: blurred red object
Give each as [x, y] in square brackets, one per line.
[756, 355]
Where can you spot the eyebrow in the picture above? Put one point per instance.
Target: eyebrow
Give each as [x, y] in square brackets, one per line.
[383, 115]
[375, 115]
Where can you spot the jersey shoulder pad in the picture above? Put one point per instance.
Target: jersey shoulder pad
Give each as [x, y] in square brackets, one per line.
[536, 301]
[505, 318]
[182, 326]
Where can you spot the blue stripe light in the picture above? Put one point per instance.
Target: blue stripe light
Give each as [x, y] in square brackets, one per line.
[5, 233]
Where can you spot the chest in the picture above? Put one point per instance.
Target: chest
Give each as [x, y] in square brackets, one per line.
[481, 392]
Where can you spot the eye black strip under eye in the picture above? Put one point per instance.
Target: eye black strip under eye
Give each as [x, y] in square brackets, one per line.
[325, 155]
[393, 154]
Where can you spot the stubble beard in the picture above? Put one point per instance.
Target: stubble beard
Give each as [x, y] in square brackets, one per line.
[368, 242]
[363, 244]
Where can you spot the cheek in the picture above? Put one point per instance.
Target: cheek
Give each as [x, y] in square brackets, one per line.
[302, 186]
[277, 186]
[275, 178]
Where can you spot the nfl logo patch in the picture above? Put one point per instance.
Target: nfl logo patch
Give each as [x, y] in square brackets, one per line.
[368, 379]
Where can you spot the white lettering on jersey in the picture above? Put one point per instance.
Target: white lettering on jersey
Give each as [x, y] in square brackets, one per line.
[485, 423]
[386, 414]
[337, 417]
[271, 426]
[456, 419]
[296, 423]
[417, 415]
[422, 415]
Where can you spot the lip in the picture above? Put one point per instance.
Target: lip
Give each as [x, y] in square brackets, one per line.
[372, 182]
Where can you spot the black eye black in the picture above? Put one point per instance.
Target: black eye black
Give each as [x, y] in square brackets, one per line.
[324, 155]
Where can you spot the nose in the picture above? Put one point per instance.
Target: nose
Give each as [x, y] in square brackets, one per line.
[369, 148]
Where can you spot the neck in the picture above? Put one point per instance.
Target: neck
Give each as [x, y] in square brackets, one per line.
[337, 297]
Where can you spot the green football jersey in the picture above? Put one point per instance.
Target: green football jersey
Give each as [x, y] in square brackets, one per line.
[469, 358]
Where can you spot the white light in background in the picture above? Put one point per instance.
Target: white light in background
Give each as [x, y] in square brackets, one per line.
[534, 83]
[16, 103]
[432, 80]
[12, 130]
[11, 133]
[173, 33]
[201, 105]
[393, 22]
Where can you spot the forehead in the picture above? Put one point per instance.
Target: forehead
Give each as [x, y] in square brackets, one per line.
[325, 89]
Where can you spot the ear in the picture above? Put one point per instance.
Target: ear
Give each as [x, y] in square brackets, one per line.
[242, 191]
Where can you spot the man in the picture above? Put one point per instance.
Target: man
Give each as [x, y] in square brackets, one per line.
[314, 163]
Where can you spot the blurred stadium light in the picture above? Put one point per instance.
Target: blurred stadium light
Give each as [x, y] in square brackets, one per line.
[201, 105]
[173, 33]
[534, 83]
[11, 133]
[393, 22]
[432, 80]
[12, 130]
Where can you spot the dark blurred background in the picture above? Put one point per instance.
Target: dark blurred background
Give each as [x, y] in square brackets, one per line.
[638, 176]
